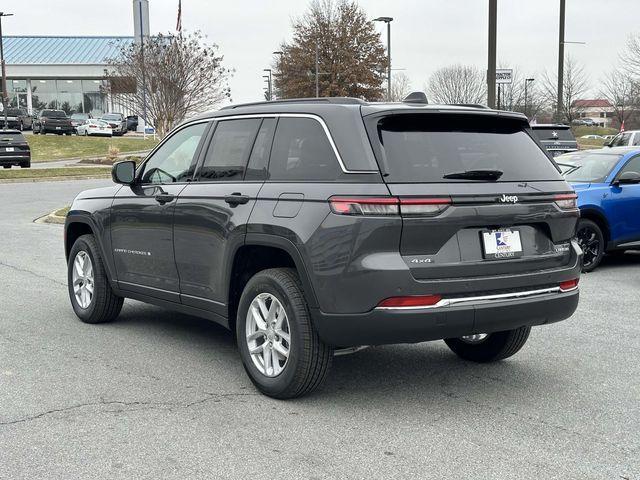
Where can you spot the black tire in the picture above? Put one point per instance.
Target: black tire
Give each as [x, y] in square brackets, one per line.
[309, 358]
[496, 346]
[6, 166]
[25, 165]
[105, 305]
[591, 240]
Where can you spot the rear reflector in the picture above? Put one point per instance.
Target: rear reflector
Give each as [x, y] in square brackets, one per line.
[566, 201]
[412, 301]
[569, 285]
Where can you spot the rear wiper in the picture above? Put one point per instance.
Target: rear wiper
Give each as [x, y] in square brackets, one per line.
[476, 174]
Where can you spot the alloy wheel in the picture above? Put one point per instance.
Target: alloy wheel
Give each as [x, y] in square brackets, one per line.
[475, 338]
[83, 280]
[590, 244]
[268, 335]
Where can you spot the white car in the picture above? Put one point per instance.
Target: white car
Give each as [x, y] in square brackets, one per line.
[94, 127]
[628, 138]
[593, 137]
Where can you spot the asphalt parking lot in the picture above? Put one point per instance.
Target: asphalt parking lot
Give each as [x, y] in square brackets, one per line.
[162, 395]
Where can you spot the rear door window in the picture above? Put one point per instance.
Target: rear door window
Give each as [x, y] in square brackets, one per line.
[423, 148]
[259, 158]
[227, 155]
[302, 152]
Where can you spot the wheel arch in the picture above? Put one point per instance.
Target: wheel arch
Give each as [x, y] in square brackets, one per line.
[597, 216]
[260, 252]
[78, 224]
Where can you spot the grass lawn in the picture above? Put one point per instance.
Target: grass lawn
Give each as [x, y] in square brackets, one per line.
[30, 173]
[46, 148]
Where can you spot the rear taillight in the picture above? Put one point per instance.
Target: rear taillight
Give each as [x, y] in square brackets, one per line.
[569, 285]
[364, 205]
[388, 206]
[413, 301]
[566, 201]
[423, 206]
[93, 126]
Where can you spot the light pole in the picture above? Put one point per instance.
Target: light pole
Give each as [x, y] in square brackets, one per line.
[491, 61]
[270, 78]
[388, 21]
[5, 97]
[526, 83]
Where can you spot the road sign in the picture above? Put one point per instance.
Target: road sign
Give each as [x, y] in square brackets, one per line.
[504, 75]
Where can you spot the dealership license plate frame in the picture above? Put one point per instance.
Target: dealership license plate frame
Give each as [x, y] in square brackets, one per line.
[511, 248]
[9, 149]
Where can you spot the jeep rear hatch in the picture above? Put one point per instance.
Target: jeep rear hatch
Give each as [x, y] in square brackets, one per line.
[476, 193]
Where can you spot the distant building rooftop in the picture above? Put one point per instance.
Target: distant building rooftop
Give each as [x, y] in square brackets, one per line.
[592, 103]
[41, 50]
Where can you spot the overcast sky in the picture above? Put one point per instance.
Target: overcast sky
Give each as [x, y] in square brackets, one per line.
[426, 34]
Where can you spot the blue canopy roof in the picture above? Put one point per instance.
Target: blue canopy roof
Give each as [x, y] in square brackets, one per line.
[40, 50]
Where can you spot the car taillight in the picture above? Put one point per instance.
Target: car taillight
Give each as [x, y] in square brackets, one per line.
[569, 285]
[378, 206]
[415, 301]
[567, 201]
[388, 206]
[423, 206]
[93, 126]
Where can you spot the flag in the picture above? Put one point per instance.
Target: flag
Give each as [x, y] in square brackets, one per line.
[622, 126]
[179, 22]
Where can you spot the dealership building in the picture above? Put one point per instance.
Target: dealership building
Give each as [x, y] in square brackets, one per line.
[65, 73]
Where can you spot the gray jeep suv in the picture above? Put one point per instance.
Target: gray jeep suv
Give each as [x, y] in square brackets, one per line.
[311, 226]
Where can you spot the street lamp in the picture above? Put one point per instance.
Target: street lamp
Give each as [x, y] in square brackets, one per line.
[388, 21]
[269, 79]
[526, 83]
[5, 97]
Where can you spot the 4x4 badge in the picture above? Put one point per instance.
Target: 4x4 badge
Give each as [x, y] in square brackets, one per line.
[508, 199]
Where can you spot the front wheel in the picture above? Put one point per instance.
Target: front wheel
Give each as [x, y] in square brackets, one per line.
[91, 295]
[591, 240]
[280, 349]
[489, 347]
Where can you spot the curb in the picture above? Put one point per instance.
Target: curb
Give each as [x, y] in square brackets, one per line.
[53, 179]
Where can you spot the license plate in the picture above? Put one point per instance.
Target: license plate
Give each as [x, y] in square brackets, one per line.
[10, 149]
[501, 244]
[58, 128]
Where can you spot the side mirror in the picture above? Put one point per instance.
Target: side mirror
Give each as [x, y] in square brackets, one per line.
[124, 172]
[628, 178]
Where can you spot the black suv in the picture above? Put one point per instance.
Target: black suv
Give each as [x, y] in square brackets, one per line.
[556, 138]
[312, 226]
[53, 121]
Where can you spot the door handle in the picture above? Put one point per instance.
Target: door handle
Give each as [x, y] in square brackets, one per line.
[163, 198]
[237, 199]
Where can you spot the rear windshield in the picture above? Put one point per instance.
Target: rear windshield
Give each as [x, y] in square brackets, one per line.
[112, 116]
[54, 114]
[424, 148]
[11, 137]
[587, 167]
[14, 112]
[551, 133]
[80, 116]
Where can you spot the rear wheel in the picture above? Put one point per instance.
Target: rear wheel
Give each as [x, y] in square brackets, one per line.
[489, 347]
[280, 349]
[91, 295]
[591, 241]
[25, 165]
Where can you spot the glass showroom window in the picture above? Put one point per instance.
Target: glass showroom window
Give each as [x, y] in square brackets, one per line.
[94, 97]
[17, 90]
[43, 94]
[69, 95]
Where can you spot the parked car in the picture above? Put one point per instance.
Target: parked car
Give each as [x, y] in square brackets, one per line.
[593, 137]
[14, 149]
[53, 121]
[628, 138]
[117, 121]
[95, 127]
[607, 182]
[78, 119]
[17, 118]
[556, 138]
[132, 123]
[314, 225]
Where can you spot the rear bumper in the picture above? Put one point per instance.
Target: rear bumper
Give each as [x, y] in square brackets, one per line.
[15, 159]
[450, 320]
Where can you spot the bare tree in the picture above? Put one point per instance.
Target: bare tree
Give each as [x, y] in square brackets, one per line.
[457, 84]
[400, 87]
[619, 88]
[631, 56]
[575, 84]
[351, 56]
[172, 77]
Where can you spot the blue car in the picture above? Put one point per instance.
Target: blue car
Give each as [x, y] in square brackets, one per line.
[607, 182]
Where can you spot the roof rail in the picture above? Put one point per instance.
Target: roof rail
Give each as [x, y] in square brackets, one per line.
[333, 100]
[471, 105]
